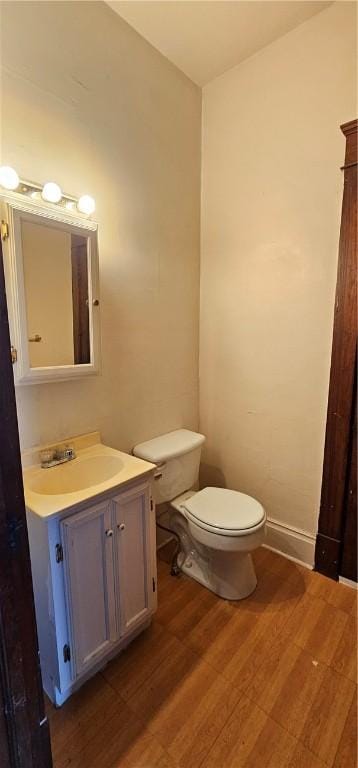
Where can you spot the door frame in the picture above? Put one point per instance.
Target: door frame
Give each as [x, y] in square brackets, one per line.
[340, 410]
[24, 727]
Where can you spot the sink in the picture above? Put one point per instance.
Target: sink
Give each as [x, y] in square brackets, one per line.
[96, 472]
[76, 475]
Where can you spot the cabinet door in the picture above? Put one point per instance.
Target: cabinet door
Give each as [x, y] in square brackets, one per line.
[89, 570]
[134, 580]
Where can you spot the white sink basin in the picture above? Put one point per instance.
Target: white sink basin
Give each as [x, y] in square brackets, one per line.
[96, 470]
[75, 475]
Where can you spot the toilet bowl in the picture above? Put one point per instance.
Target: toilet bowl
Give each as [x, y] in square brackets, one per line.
[218, 528]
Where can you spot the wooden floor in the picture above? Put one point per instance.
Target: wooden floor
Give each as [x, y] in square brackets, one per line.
[269, 682]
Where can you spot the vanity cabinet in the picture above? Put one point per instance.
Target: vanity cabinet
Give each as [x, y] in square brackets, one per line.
[88, 561]
[94, 573]
[131, 557]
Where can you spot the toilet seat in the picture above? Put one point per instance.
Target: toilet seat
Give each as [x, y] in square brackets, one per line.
[224, 512]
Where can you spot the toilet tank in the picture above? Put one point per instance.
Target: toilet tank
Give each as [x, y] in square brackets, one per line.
[177, 456]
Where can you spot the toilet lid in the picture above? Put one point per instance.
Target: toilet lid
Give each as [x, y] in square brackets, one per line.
[224, 511]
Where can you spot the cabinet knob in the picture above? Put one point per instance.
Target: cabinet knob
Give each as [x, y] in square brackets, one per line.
[109, 533]
[121, 526]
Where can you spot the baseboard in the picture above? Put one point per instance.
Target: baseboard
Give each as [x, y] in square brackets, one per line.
[291, 542]
[348, 582]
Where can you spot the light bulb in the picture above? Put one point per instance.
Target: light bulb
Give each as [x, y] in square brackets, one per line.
[51, 192]
[86, 204]
[8, 177]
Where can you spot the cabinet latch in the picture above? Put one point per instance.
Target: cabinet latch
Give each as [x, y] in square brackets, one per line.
[151, 504]
[66, 653]
[59, 553]
[154, 585]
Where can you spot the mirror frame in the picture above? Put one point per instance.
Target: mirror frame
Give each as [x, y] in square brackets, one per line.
[13, 210]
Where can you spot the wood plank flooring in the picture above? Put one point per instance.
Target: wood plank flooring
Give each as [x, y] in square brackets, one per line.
[269, 682]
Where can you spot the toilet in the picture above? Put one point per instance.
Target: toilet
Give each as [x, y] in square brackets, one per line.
[218, 528]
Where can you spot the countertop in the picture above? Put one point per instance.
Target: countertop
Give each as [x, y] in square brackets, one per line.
[46, 505]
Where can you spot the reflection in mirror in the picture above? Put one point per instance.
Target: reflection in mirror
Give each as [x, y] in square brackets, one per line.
[55, 263]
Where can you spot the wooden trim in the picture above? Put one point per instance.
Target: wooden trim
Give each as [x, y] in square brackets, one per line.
[350, 131]
[22, 711]
[4, 726]
[342, 375]
[350, 127]
[327, 555]
[348, 565]
[81, 316]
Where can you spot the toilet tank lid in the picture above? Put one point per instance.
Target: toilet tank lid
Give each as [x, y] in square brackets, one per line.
[169, 446]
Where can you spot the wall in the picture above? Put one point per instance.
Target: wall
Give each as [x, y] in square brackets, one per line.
[46, 254]
[271, 200]
[86, 102]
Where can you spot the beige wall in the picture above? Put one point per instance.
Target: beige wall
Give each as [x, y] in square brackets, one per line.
[46, 255]
[86, 102]
[89, 104]
[271, 202]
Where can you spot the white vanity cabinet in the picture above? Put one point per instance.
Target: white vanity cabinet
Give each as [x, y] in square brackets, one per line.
[132, 557]
[94, 574]
[89, 570]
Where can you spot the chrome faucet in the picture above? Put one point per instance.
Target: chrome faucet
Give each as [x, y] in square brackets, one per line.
[50, 457]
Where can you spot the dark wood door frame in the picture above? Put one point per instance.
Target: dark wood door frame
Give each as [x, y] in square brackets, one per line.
[349, 566]
[342, 377]
[24, 730]
[81, 331]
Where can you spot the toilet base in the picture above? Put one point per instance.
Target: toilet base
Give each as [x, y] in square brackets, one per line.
[229, 575]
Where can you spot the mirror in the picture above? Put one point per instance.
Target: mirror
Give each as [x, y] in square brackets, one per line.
[52, 272]
[56, 295]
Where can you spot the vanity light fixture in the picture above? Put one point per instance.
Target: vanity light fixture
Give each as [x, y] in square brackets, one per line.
[8, 178]
[86, 204]
[51, 192]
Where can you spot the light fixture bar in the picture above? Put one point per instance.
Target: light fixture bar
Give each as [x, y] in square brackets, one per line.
[85, 205]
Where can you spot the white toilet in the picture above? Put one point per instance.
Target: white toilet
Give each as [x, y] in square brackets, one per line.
[217, 528]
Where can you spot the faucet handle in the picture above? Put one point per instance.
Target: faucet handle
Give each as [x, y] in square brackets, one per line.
[69, 452]
[64, 452]
[46, 456]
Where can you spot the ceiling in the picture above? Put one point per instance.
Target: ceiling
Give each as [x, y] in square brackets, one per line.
[204, 38]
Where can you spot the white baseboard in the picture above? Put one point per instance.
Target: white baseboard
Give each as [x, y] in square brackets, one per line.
[348, 582]
[288, 541]
[295, 544]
